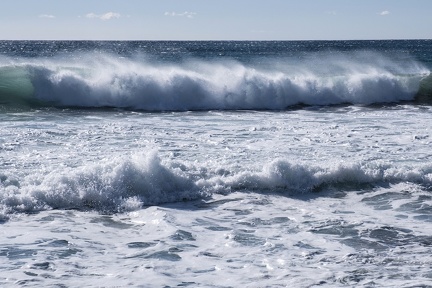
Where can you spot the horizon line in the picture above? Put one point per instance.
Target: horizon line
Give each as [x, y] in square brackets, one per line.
[221, 40]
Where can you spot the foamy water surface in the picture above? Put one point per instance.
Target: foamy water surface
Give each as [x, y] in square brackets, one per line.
[319, 196]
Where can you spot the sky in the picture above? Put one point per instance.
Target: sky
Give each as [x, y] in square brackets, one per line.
[215, 19]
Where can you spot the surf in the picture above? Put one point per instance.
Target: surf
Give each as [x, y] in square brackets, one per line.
[128, 183]
[92, 80]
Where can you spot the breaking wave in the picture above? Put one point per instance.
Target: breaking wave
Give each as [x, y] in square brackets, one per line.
[129, 183]
[91, 81]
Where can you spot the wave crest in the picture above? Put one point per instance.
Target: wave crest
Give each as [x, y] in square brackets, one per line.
[129, 183]
[112, 185]
[291, 179]
[106, 81]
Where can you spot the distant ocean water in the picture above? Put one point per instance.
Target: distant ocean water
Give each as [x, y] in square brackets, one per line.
[216, 164]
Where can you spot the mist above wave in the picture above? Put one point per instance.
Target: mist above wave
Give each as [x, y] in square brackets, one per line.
[103, 80]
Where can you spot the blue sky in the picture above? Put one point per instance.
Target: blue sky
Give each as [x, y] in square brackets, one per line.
[216, 19]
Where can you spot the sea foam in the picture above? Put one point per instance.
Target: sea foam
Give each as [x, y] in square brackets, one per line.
[131, 182]
[120, 184]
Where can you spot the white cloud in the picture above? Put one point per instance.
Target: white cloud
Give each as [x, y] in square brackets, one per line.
[46, 16]
[184, 14]
[105, 17]
[384, 13]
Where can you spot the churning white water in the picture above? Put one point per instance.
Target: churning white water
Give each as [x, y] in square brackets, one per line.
[319, 196]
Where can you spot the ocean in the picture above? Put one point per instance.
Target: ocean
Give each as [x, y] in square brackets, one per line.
[216, 164]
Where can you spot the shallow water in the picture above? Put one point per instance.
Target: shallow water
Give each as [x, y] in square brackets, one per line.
[242, 239]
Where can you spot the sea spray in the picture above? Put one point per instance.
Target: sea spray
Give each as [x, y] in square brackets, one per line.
[111, 185]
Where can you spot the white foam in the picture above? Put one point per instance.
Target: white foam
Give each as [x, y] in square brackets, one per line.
[283, 176]
[128, 183]
[120, 184]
